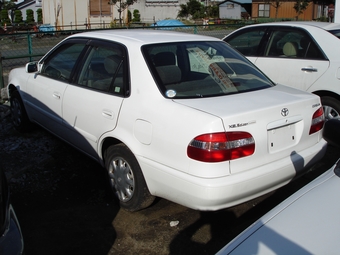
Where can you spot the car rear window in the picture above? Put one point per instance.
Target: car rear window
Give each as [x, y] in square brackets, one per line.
[335, 32]
[202, 69]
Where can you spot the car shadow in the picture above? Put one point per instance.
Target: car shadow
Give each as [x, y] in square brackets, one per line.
[69, 209]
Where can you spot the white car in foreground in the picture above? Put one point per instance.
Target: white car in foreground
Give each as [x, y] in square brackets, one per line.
[173, 115]
[303, 55]
[305, 223]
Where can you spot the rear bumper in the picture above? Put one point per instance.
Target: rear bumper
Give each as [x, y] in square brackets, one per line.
[218, 193]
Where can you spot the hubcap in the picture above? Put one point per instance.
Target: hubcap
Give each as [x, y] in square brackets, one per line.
[330, 113]
[122, 179]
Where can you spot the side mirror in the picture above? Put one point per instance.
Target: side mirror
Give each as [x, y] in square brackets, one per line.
[331, 132]
[31, 67]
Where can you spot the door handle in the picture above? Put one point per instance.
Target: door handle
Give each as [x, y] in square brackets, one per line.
[309, 69]
[56, 95]
[108, 114]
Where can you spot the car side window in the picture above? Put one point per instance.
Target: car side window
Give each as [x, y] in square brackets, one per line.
[103, 70]
[292, 44]
[248, 42]
[60, 63]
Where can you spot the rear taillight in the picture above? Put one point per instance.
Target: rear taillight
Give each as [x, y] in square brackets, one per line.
[317, 121]
[218, 147]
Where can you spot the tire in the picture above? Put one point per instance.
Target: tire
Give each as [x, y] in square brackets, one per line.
[331, 107]
[331, 132]
[19, 116]
[126, 179]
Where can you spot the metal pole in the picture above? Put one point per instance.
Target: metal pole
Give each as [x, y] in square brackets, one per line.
[29, 42]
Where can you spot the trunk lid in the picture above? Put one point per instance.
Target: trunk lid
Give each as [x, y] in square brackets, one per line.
[279, 119]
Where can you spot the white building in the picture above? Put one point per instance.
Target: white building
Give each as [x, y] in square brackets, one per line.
[230, 10]
[234, 9]
[155, 10]
[76, 13]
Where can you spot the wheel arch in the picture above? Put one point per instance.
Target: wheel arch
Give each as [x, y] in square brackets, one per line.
[323, 93]
[108, 141]
[11, 88]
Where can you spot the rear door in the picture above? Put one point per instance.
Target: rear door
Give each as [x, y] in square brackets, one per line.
[291, 57]
[92, 103]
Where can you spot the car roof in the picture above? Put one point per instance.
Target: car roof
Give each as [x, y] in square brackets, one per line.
[141, 36]
[305, 24]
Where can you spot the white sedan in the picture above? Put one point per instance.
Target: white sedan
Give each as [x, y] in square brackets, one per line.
[303, 55]
[174, 115]
[305, 223]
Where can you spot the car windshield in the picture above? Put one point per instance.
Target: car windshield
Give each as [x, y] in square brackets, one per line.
[202, 69]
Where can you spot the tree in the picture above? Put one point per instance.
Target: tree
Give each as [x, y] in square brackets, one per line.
[212, 11]
[184, 11]
[29, 16]
[10, 7]
[121, 5]
[193, 8]
[18, 17]
[40, 17]
[300, 6]
[136, 16]
[4, 17]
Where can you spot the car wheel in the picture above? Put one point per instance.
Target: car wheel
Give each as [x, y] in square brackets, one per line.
[126, 178]
[19, 116]
[331, 107]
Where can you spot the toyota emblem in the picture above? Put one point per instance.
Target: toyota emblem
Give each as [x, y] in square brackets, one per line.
[284, 112]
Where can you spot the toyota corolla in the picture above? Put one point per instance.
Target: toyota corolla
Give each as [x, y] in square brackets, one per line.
[173, 115]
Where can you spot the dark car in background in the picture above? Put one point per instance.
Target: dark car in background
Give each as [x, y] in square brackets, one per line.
[11, 241]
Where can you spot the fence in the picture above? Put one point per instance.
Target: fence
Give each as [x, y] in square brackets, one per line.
[18, 48]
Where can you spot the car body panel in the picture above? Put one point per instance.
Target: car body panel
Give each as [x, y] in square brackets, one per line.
[158, 127]
[297, 70]
[305, 223]
[11, 242]
[79, 105]
[222, 192]
[311, 75]
[280, 140]
[47, 100]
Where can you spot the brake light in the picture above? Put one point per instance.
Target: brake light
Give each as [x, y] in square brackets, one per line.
[317, 121]
[218, 147]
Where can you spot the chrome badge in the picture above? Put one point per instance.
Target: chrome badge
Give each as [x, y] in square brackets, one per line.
[284, 112]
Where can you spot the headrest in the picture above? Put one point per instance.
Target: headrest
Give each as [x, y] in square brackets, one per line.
[169, 74]
[290, 49]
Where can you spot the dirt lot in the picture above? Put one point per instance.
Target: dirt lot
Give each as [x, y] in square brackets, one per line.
[63, 206]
